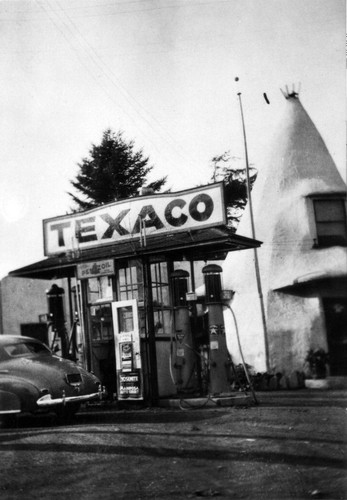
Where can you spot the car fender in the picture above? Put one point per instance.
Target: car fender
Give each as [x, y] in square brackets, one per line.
[26, 392]
[9, 403]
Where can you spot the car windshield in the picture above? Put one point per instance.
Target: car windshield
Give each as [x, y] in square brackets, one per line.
[26, 348]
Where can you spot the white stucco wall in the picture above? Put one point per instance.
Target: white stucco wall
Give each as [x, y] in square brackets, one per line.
[295, 324]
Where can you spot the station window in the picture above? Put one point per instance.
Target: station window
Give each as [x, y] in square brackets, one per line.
[101, 322]
[330, 216]
[130, 281]
[100, 288]
[162, 310]
[130, 286]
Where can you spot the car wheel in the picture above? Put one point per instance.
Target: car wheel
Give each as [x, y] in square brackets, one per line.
[65, 414]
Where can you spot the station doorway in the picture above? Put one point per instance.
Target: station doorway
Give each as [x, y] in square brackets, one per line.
[335, 310]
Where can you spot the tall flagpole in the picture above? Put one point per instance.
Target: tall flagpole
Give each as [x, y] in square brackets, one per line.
[256, 260]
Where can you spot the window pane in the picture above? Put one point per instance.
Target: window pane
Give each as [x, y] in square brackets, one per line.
[100, 288]
[121, 276]
[101, 322]
[161, 298]
[125, 319]
[93, 289]
[142, 321]
[165, 296]
[331, 238]
[162, 321]
[163, 272]
[329, 210]
[154, 274]
[160, 288]
[331, 228]
[156, 301]
[106, 322]
[330, 222]
[167, 317]
[131, 281]
[128, 275]
[133, 274]
[106, 290]
[158, 322]
[95, 321]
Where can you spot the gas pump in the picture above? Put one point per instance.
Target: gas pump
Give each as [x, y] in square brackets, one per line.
[184, 357]
[220, 363]
[58, 340]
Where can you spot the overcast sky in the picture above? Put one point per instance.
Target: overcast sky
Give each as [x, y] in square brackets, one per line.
[163, 72]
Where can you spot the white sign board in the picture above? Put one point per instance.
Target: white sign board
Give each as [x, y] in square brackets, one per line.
[92, 269]
[144, 216]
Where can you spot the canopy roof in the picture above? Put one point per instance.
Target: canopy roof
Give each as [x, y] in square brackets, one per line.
[211, 243]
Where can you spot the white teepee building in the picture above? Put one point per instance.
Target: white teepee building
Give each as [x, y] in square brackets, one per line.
[299, 206]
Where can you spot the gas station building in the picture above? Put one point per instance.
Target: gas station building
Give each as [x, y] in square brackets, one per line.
[144, 292]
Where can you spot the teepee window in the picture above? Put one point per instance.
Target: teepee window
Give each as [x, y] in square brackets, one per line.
[330, 215]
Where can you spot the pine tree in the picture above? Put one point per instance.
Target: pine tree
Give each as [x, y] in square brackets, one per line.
[113, 171]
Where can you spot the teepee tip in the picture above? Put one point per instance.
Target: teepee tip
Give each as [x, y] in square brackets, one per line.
[291, 94]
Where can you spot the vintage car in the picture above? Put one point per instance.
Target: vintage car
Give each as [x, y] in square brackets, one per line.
[33, 380]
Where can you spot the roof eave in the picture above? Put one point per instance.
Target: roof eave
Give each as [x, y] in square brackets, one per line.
[204, 244]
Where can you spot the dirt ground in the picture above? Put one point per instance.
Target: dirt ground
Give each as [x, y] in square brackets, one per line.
[290, 446]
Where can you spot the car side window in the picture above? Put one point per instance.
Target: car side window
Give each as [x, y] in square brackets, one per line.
[25, 349]
[16, 350]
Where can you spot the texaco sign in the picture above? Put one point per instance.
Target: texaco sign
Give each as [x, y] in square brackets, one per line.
[149, 215]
